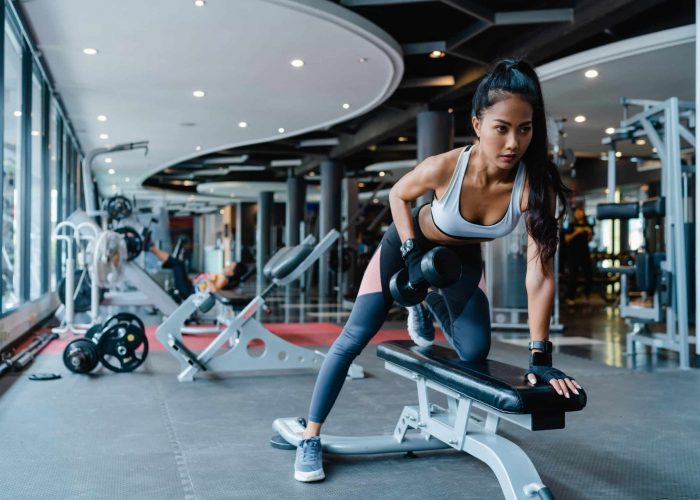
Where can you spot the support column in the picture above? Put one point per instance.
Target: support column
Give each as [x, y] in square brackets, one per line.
[262, 233]
[347, 285]
[435, 136]
[296, 201]
[331, 177]
[238, 244]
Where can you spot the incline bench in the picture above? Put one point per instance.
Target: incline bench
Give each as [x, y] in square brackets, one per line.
[496, 390]
[228, 351]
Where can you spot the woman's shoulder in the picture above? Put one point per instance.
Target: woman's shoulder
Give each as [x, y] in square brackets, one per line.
[442, 165]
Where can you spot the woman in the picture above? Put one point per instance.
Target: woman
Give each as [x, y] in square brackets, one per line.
[507, 172]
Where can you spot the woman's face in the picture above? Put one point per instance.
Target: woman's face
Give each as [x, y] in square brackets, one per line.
[504, 131]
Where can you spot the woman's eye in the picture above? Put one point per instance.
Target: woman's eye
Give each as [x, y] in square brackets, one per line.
[501, 129]
[525, 130]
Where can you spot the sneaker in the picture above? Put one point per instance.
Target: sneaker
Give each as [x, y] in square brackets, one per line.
[308, 465]
[437, 307]
[420, 326]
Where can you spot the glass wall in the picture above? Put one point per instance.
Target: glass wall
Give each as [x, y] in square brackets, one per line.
[54, 177]
[39, 174]
[11, 171]
[37, 198]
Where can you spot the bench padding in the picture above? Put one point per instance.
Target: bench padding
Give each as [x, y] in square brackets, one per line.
[497, 385]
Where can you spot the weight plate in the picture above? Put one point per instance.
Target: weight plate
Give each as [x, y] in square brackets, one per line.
[119, 207]
[80, 356]
[122, 348]
[124, 317]
[93, 331]
[134, 242]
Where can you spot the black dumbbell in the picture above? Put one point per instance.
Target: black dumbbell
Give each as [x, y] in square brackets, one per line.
[440, 268]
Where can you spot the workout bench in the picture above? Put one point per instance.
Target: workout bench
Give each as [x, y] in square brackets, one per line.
[228, 352]
[493, 390]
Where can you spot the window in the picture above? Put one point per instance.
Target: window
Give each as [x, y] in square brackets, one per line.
[37, 200]
[54, 176]
[11, 172]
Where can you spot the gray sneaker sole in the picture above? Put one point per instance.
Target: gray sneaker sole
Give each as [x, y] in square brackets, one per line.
[309, 477]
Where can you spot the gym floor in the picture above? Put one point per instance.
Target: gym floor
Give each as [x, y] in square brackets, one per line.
[145, 435]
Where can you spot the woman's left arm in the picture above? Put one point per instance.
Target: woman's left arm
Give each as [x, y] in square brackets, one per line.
[539, 283]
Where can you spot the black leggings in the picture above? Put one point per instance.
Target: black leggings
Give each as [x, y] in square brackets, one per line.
[183, 285]
[461, 309]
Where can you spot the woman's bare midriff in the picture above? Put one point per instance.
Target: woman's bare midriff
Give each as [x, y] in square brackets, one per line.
[430, 230]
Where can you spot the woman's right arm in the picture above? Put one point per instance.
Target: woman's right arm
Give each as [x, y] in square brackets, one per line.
[425, 177]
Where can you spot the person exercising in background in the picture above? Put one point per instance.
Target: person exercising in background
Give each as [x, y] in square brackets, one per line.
[578, 255]
[228, 279]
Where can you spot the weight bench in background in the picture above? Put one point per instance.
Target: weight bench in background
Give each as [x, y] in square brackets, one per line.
[228, 352]
[479, 396]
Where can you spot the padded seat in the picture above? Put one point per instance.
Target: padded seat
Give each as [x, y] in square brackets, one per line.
[497, 385]
[286, 260]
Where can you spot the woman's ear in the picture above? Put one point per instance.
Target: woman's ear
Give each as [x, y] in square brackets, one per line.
[476, 124]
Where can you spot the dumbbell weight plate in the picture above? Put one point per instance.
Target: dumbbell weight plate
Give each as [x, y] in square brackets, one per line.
[80, 356]
[402, 293]
[122, 348]
[124, 317]
[441, 267]
[93, 332]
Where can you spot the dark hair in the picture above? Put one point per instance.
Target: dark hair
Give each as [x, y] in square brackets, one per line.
[506, 78]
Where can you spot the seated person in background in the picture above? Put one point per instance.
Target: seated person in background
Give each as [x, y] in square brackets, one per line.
[577, 236]
[228, 279]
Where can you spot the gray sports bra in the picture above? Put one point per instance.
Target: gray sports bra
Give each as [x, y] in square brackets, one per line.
[448, 218]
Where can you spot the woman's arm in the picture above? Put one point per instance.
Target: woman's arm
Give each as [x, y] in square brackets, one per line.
[427, 176]
[540, 292]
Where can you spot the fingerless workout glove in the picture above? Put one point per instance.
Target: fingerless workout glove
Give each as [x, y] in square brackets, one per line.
[541, 367]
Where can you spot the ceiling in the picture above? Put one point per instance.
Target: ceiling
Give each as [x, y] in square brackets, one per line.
[154, 54]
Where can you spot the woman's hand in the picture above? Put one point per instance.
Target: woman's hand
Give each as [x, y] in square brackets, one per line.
[541, 370]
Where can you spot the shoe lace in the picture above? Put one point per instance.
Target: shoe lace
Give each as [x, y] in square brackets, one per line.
[310, 448]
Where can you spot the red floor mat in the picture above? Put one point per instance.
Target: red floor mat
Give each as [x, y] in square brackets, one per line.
[301, 334]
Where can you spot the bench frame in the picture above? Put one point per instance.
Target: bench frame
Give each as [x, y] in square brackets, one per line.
[228, 351]
[466, 425]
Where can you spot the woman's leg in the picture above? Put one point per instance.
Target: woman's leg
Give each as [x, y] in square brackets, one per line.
[367, 316]
[463, 310]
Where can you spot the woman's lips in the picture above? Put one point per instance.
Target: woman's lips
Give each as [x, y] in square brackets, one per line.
[508, 157]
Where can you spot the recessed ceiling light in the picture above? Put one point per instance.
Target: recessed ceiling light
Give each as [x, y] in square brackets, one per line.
[198, 148]
[450, 110]
[376, 200]
[591, 73]
[346, 106]
[188, 183]
[221, 211]
[126, 179]
[618, 154]
[108, 160]
[610, 130]
[640, 142]
[35, 133]
[199, 3]
[312, 173]
[580, 119]
[436, 54]
[17, 113]
[198, 93]
[363, 59]
[280, 130]
[403, 138]
[104, 136]
[242, 124]
[101, 118]
[111, 171]
[90, 52]
[360, 184]
[382, 174]
[297, 63]
[653, 150]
